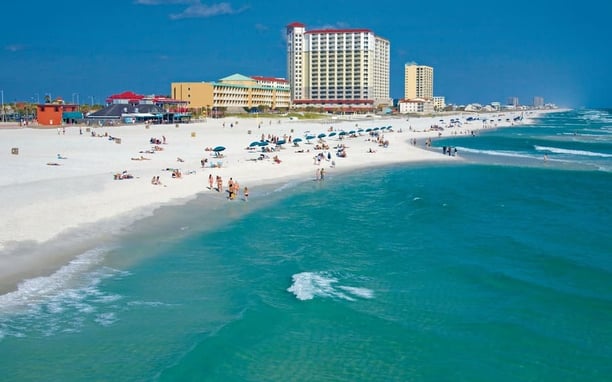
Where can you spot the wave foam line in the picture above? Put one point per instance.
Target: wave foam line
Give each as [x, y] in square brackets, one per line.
[558, 150]
[37, 290]
[513, 154]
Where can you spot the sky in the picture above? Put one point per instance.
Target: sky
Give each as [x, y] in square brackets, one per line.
[481, 51]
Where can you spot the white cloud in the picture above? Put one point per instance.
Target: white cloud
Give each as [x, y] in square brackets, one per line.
[195, 8]
[199, 10]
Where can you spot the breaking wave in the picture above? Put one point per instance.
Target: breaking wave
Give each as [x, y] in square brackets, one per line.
[308, 285]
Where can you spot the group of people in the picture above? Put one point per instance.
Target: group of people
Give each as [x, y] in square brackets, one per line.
[321, 156]
[157, 141]
[233, 188]
[449, 150]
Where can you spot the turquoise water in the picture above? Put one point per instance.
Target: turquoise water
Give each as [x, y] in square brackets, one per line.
[496, 268]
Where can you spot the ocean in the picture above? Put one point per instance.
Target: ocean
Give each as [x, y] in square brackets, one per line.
[497, 267]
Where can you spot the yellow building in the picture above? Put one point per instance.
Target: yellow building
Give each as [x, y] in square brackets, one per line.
[199, 95]
[234, 93]
[418, 81]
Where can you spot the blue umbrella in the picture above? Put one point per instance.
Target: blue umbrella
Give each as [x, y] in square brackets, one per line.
[376, 129]
[309, 137]
[332, 134]
[322, 135]
[342, 133]
[368, 129]
[218, 148]
[360, 131]
[263, 143]
[352, 132]
[253, 144]
[297, 140]
[280, 142]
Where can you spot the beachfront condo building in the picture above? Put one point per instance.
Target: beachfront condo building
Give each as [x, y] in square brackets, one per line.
[234, 93]
[418, 81]
[538, 102]
[337, 69]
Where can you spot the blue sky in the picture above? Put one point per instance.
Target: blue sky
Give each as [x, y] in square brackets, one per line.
[481, 51]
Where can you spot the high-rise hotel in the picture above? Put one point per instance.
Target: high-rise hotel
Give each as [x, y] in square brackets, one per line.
[337, 68]
[418, 81]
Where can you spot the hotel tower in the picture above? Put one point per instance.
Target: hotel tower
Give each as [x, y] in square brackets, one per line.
[337, 68]
[418, 81]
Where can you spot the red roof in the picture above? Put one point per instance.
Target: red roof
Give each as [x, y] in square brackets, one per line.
[339, 31]
[126, 95]
[269, 79]
[136, 98]
[296, 25]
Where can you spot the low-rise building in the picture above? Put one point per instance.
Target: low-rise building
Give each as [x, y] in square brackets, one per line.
[416, 105]
[57, 113]
[234, 93]
[130, 107]
[439, 103]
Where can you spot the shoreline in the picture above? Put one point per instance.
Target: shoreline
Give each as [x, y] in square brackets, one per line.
[56, 211]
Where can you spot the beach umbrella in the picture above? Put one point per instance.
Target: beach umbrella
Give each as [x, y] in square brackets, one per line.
[253, 144]
[389, 127]
[360, 131]
[352, 132]
[342, 133]
[297, 140]
[332, 134]
[218, 149]
[263, 143]
[322, 135]
[280, 142]
[368, 129]
[376, 129]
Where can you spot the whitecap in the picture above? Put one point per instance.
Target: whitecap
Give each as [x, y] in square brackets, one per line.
[558, 150]
[308, 285]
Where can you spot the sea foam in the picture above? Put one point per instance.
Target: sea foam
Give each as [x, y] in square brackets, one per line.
[308, 285]
[558, 150]
[62, 301]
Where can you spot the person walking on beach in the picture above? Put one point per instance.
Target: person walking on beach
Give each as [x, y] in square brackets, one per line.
[210, 182]
[246, 193]
[219, 184]
[322, 173]
[318, 174]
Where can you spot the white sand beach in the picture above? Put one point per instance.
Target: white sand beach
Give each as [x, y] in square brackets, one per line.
[58, 184]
